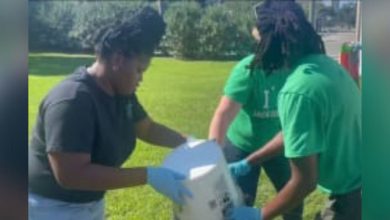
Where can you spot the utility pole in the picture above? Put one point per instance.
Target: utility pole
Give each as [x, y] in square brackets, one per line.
[358, 25]
[159, 7]
[312, 13]
[359, 32]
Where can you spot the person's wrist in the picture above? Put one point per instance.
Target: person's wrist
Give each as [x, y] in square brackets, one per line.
[265, 215]
[252, 162]
[240, 168]
[245, 163]
[149, 173]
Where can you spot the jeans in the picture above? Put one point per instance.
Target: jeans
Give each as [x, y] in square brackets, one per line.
[277, 170]
[42, 208]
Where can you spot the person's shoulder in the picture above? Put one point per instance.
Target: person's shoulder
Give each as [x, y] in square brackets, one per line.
[310, 77]
[73, 87]
[316, 61]
[242, 66]
[246, 60]
[300, 83]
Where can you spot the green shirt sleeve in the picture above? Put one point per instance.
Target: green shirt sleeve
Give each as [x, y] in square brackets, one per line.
[239, 84]
[302, 124]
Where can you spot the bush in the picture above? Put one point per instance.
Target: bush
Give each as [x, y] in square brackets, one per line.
[244, 19]
[222, 32]
[50, 24]
[218, 31]
[70, 26]
[92, 15]
[226, 31]
[183, 30]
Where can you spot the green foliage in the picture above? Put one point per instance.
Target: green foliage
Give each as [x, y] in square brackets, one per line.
[92, 15]
[50, 24]
[183, 29]
[71, 25]
[343, 17]
[347, 15]
[244, 19]
[215, 31]
[194, 31]
[218, 32]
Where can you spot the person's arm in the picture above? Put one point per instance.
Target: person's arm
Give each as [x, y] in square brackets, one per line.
[69, 134]
[236, 92]
[271, 149]
[303, 181]
[75, 171]
[158, 134]
[223, 116]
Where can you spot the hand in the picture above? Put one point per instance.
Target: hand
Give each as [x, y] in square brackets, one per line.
[245, 212]
[240, 168]
[191, 138]
[192, 142]
[168, 183]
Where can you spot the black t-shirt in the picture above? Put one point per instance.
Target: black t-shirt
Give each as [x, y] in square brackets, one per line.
[78, 116]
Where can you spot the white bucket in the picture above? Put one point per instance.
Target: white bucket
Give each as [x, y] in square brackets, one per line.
[209, 180]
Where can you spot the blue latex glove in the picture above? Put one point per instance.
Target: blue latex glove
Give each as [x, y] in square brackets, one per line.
[245, 212]
[168, 183]
[239, 168]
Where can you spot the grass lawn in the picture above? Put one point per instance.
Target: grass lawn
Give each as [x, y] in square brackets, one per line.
[180, 94]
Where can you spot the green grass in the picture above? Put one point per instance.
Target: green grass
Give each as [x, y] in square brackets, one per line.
[179, 94]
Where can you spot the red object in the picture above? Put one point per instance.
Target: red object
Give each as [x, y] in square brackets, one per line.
[349, 59]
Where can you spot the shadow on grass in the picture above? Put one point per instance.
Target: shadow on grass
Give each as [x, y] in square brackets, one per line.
[56, 65]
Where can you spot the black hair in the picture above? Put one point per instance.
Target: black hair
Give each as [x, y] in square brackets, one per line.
[139, 34]
[286, 36]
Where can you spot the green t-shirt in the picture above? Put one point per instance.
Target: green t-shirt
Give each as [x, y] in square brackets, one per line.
[257, 121]
[320, 112]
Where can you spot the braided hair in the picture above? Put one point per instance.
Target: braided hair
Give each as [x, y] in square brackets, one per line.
[286, 36]
[138, 34]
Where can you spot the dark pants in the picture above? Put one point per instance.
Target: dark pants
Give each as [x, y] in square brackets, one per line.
[277, 170]
[343, 207]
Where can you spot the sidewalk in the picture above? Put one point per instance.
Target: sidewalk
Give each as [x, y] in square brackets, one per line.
[333, 42]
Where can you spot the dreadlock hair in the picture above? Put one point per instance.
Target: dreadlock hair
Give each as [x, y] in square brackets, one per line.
[286, 36]
[138, 34]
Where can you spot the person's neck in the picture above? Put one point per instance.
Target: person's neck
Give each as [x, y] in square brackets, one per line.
[99, 73]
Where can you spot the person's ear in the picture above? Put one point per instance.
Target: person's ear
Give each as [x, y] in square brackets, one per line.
[117, 61]
[256, 34]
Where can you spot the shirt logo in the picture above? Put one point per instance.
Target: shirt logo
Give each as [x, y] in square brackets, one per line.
[266, 112]
[129, 110]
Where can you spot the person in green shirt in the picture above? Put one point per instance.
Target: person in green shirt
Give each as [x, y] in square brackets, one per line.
[320, 111]
[247, 115]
